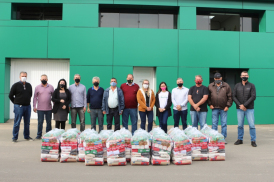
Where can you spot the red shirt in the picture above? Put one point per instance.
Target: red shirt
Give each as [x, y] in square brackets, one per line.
[130, 95]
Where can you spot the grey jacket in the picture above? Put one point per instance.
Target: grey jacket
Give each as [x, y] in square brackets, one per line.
[121, 104]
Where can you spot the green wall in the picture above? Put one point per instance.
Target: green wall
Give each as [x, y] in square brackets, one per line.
[113, 52]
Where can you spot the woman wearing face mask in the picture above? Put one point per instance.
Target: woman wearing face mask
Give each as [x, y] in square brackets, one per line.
[163, 104]
[61, 98]
[146, 101]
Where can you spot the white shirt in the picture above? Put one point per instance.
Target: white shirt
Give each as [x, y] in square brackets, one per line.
[163, 97]
[180, 97]
[113, 98]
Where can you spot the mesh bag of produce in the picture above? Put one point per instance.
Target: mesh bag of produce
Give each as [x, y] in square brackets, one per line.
[116, 155]
[93, 150]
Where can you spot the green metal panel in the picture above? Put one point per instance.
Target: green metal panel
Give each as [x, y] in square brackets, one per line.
[262, 23]
[187, 18]
[83, 1]
[202, 48]
[13, 41]
[83, 15]
[24, 1]
[148, 2]
[168, 75]
[258, 5]
[211, 3]
[145, 47]
[269, 21]
[85, 46]
[256, 50]
[263, 115]
[5, 11]
[25, 23]
[87, 73]
[4, 108]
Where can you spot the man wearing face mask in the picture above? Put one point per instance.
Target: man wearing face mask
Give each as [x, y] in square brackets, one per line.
[219, 100]
[20, 95]
[78, 102]
[42, 96]
[130, 90]
[180, 100]
[113, 104]
[244, 95]
[94, 104]
[197, 97]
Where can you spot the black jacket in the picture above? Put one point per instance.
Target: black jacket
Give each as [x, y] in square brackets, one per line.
[244, 95]
[56, 99]
[22, 96]
[169, 104]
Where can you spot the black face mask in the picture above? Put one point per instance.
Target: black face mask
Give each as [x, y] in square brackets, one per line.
[62, 85]
[44, 82]
[244, 78]
[218, 81]
[180, 84]
[77, 80]
[129, 81]
[96, 84]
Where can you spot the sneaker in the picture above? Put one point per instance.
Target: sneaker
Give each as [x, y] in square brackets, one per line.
[29, 139]
[225, 142]
[253, 144]
[14, 141]
[238, 142]
[38, 138]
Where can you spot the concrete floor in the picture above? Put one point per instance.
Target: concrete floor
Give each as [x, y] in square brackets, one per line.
[21, 162]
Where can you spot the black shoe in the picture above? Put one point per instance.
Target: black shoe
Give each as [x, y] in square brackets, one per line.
[29, 139]
[238, 142]
[225, 142]
[38, 138]
[14, 141]
[253, 144]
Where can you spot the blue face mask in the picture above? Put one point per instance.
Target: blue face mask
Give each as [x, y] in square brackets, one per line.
[113, 84]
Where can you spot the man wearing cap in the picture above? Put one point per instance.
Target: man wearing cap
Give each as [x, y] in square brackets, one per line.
[219, 100]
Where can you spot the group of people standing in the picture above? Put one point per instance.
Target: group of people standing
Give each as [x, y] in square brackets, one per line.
[128, 100]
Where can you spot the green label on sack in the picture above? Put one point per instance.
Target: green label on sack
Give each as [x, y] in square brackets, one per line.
[143, 150]
[46, 148]
[91, 152]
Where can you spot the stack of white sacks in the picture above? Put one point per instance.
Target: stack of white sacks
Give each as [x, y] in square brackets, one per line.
[51, 145]
[116, 150]
[93, 150]
[69, 145]
[140, 143]
[105, 134]
[127, 135]
[161, 147]
[181, 152]
[81, 148]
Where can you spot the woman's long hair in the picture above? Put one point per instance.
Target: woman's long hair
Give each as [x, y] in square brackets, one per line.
[148, 89]
[160, 87]
[58, 86]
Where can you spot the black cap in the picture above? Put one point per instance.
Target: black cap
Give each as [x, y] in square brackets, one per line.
[217, 75]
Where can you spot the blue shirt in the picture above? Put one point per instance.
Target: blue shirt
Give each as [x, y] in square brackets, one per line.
[95, 97]
[78, 95]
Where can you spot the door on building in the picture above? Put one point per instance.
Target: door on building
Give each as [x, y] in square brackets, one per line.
[54, 69]
[149, 73]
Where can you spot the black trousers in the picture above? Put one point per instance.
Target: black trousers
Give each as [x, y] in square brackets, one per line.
[113, 113]
[63, 124]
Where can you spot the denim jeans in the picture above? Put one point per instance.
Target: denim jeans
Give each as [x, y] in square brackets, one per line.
[96, 113]
[21, 111]
[41, 115]
[180, 114]
[133, 117]
[163, 116]
[198, 117]
[249, 114]
[81, 114]
[215, 120]
[147, 115]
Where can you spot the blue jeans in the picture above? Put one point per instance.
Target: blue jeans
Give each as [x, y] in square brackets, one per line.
[215, 120]
[163, 116]
[133, 117]
[23, 111]
[149, 115]
[41, 115]
[249, 113]
[198, 117]
[176, 115]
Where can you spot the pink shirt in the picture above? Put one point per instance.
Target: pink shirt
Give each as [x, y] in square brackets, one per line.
[42, 95]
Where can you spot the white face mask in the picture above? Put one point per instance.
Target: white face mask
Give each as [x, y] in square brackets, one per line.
[23, 79]
[145, 85]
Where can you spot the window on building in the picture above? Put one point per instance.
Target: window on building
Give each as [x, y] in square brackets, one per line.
[229, 75]
[228, 20]
[41, 11]
[138, 17]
